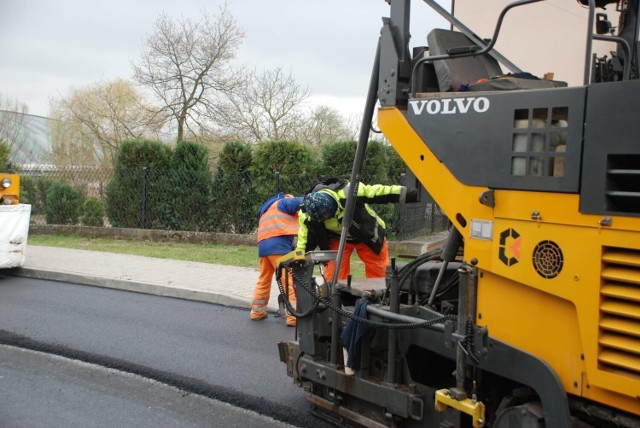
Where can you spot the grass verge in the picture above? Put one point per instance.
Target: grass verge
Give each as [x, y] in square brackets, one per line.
[232, 255]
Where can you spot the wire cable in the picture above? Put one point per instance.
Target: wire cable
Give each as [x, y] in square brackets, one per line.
[349, 315]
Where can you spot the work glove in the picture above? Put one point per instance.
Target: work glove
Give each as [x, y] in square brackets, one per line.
[411, 196]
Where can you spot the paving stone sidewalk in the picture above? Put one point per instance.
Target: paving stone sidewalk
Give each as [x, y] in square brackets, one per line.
[206, 282]
[226, 285]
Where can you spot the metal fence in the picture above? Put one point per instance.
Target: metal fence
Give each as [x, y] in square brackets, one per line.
[188, 200]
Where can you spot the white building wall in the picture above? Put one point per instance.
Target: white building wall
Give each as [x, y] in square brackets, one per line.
[548, 36]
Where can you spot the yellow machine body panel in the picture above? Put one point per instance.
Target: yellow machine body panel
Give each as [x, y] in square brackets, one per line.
[559, 284]
[452, 197]
[9, 195]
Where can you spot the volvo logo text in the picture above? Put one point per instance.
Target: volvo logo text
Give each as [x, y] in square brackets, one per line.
[450, 105]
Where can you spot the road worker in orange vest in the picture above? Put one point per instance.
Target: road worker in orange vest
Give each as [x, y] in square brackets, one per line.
[277, 228]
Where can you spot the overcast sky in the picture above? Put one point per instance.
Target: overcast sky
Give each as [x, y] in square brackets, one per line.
[48, 47]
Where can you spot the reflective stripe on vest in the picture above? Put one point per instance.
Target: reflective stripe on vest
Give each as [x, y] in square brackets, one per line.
[276, 223]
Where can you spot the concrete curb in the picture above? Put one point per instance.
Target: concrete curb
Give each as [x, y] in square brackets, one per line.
[203, 282]
[133, 286]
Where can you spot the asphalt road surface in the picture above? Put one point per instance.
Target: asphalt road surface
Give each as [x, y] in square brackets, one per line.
[45, 390]
[191, 360]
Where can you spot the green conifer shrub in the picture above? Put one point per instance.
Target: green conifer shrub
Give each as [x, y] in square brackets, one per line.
[63, 203]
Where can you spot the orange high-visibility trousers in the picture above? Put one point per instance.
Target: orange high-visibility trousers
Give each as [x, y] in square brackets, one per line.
[375, 265]
[262, 292]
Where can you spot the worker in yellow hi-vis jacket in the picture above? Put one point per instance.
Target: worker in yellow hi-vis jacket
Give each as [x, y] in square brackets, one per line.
[321, 223]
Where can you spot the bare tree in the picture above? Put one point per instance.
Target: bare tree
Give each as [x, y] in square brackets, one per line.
[90, 123]
[72, 145]
[14, 127]
[266, 107]
[186, 63]
[323, 125]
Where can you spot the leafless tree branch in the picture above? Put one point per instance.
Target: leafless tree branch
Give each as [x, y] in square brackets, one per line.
[185, 63]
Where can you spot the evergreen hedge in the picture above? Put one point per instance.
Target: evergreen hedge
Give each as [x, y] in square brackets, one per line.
[63, 203]
[233, 195]
[140, 176]
[191, 182]
[178, 191]
[33, 191]
[92, 212]
[5, 153]
[296, 165]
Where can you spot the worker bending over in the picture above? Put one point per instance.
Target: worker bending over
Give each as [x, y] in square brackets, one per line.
[321, 224]
[277, 228]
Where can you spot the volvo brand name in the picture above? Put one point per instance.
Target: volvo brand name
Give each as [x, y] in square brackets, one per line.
[450, 105]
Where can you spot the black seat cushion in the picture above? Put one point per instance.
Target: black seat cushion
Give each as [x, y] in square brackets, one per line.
[453, 73]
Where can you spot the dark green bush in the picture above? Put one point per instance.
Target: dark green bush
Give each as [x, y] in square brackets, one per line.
[5, 153]
[234, 197]
[380, 164]
[92, 212]
[33, 191]
[131, 183]
[394, 164]
[295, 163]
[337, 159]
[63, 203]
[191, 184]
[28, 192]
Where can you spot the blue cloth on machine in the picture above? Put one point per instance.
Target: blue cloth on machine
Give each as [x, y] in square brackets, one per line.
[353, 333]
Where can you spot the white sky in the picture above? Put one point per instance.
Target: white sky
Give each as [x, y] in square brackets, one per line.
[48, 46]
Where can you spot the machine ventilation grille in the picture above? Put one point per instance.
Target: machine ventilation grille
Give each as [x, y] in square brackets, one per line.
[623, 183]
[547, 259]
[619, 336]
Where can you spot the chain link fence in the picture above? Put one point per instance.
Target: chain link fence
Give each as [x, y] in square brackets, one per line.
[186, 200]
